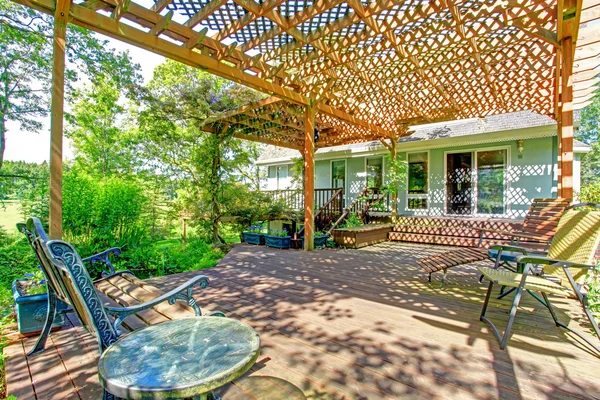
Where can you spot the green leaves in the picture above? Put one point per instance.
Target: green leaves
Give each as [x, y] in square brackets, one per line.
[26, 65]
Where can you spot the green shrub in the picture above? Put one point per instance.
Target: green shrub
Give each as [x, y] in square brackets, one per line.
[594, 291]
[590, 193]
[169, 257]
[352, 220]
[16, 259]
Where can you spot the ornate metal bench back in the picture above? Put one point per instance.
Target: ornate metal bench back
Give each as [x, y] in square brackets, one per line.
[36, 235]
[64, 266]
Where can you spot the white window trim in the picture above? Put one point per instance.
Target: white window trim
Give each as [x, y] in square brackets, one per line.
[345, 177]
[382, 168]
[419, 196]
[507, 186]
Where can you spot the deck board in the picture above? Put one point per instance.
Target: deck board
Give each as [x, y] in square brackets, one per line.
[355, 324]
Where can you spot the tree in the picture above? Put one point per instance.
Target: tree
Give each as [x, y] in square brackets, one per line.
[209, 165]
[96, 127]
[26, 65]
[588, 133]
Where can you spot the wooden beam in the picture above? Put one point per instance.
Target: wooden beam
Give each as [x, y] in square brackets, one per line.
[160, 5]
[204, 13]
[130, 34]
[163, 24]
[120, 9]
[259, 139]
[309, 178]
[56, 116]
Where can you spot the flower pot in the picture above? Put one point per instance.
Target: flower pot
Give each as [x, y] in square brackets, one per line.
[319, 241]
[254, 238]
[31, 310]
[279, 242]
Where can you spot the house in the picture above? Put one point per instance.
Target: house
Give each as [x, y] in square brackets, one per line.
[492, 166]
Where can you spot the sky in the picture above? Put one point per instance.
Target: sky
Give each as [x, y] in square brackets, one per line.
[35, 147]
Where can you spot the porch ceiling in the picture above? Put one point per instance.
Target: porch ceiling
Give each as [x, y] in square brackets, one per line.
[370, 68]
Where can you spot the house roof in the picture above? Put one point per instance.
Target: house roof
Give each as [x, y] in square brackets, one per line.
[516, 122]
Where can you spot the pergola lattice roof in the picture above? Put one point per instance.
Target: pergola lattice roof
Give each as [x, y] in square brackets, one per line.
[370, 68]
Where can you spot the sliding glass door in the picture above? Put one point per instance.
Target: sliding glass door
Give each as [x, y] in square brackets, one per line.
[459, 197]
[475, 182]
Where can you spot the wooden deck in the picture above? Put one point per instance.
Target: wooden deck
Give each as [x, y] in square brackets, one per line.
[354, 324]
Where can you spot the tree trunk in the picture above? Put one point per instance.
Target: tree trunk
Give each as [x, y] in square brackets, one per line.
[2, 138]
[215, 179]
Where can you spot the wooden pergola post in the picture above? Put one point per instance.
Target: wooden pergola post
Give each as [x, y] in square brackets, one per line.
[56, 117]
[393, 156]
[565, 147]
[309, 177]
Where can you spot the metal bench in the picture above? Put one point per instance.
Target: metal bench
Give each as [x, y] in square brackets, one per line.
[116, 303]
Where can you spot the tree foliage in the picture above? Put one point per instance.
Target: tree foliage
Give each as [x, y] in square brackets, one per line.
[101, 139]
[588, 133]
[210, 166]
[26, 65]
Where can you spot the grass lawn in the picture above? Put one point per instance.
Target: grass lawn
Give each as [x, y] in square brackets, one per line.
[10, 215]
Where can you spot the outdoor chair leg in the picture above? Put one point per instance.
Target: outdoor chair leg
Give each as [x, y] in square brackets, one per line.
[444, 278]
[511, 319]
[40, 344]
[502, 339]
[561, 325]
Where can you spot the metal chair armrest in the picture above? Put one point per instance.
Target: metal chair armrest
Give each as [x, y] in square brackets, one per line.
[182, 292]
[118, 273]
[540, 260]
[103, 257]
[519, 249]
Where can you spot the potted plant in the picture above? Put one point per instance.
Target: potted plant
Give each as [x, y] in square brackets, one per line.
[319, 240]
[254, 235]
[31, 304]
[278, 239]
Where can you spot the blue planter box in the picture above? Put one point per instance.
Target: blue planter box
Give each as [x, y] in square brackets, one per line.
[279, 242]
[319, 241]
[254, 238]
[31, 311]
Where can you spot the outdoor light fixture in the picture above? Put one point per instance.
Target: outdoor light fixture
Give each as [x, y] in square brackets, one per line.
[317, 135]
[520, 145]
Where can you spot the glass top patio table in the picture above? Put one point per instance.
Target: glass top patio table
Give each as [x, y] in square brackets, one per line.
[179, 359]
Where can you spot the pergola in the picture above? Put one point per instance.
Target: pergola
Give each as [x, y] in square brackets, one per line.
[356, 70]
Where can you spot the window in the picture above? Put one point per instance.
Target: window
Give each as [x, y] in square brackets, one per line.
[278, 175]
[418, 185]
[375, 172]
[490, 181]
[338, 174]
[338, 178]
[475, 182]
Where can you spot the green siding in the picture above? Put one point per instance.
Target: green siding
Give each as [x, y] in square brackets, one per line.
[529, 176]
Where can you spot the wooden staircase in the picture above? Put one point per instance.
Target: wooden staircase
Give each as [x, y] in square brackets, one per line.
[366, 201]
[329, 208]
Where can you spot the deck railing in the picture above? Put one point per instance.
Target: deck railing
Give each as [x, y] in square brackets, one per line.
[294, 198]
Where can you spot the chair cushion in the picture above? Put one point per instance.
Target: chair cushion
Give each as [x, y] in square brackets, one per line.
[533, 282]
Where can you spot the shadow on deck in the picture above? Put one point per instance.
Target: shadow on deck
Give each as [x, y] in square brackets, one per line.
[356, 324]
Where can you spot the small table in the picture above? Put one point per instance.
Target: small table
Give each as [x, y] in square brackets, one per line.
[179, 359]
